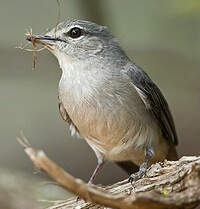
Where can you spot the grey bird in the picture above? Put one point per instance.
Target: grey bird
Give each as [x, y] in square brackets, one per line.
[108, 100]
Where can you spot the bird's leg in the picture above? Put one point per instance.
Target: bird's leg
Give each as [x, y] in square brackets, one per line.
[97, 169]
[143, 168]
[92, 178]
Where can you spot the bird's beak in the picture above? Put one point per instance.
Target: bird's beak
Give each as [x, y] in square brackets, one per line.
[42, 39]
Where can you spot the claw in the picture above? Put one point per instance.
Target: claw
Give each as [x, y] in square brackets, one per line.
[143, 167]
[131, 179]
[136, 176]
[78, 198]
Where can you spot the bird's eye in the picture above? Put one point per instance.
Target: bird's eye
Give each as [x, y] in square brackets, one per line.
[75, 32]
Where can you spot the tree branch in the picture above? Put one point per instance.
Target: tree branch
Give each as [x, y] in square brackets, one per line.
[171, 184]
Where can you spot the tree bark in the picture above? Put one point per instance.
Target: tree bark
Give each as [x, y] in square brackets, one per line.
[166, 185]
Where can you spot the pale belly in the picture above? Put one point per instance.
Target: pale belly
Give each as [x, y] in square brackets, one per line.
[131, 146]
[115, 129]
[117, 135]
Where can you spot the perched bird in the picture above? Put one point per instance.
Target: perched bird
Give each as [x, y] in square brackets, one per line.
[108, 100]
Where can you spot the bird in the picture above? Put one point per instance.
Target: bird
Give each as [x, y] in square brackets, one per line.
[108, 100]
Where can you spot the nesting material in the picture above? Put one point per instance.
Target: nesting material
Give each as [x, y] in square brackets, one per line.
[58, 16]
[30, 35]
[34, 40]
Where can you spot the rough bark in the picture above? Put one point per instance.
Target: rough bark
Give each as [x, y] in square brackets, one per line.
[167, 185]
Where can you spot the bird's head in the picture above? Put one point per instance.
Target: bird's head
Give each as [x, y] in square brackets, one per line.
[78, 39]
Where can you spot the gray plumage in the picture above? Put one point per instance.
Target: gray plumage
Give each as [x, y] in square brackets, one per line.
[157, 104]
[108, 100]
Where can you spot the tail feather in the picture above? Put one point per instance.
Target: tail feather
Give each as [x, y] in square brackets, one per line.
[172, 153]
[128, 166]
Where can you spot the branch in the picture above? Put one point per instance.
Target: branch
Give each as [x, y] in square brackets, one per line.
[171, 184]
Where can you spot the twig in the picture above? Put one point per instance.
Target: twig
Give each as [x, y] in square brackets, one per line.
[34, 41]
[30, 34]
[58, 17]
[77, 186]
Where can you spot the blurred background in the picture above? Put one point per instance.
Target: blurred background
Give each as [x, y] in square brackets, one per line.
[163, 37]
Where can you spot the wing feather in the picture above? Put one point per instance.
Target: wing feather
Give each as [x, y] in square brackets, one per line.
[154, 102]
[65, 117]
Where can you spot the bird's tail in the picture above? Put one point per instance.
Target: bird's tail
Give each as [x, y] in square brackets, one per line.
[172, 154]
[128, 166]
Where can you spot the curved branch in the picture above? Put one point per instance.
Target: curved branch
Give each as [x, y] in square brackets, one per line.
[171, 184]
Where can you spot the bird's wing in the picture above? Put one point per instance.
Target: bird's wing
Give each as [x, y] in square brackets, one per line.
[63, 112]
[154, 101]
[66, 117]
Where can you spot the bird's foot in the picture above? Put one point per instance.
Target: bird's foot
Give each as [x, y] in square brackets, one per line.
[138, 175]
[134, 177]
[143, 167]
[78, 198]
